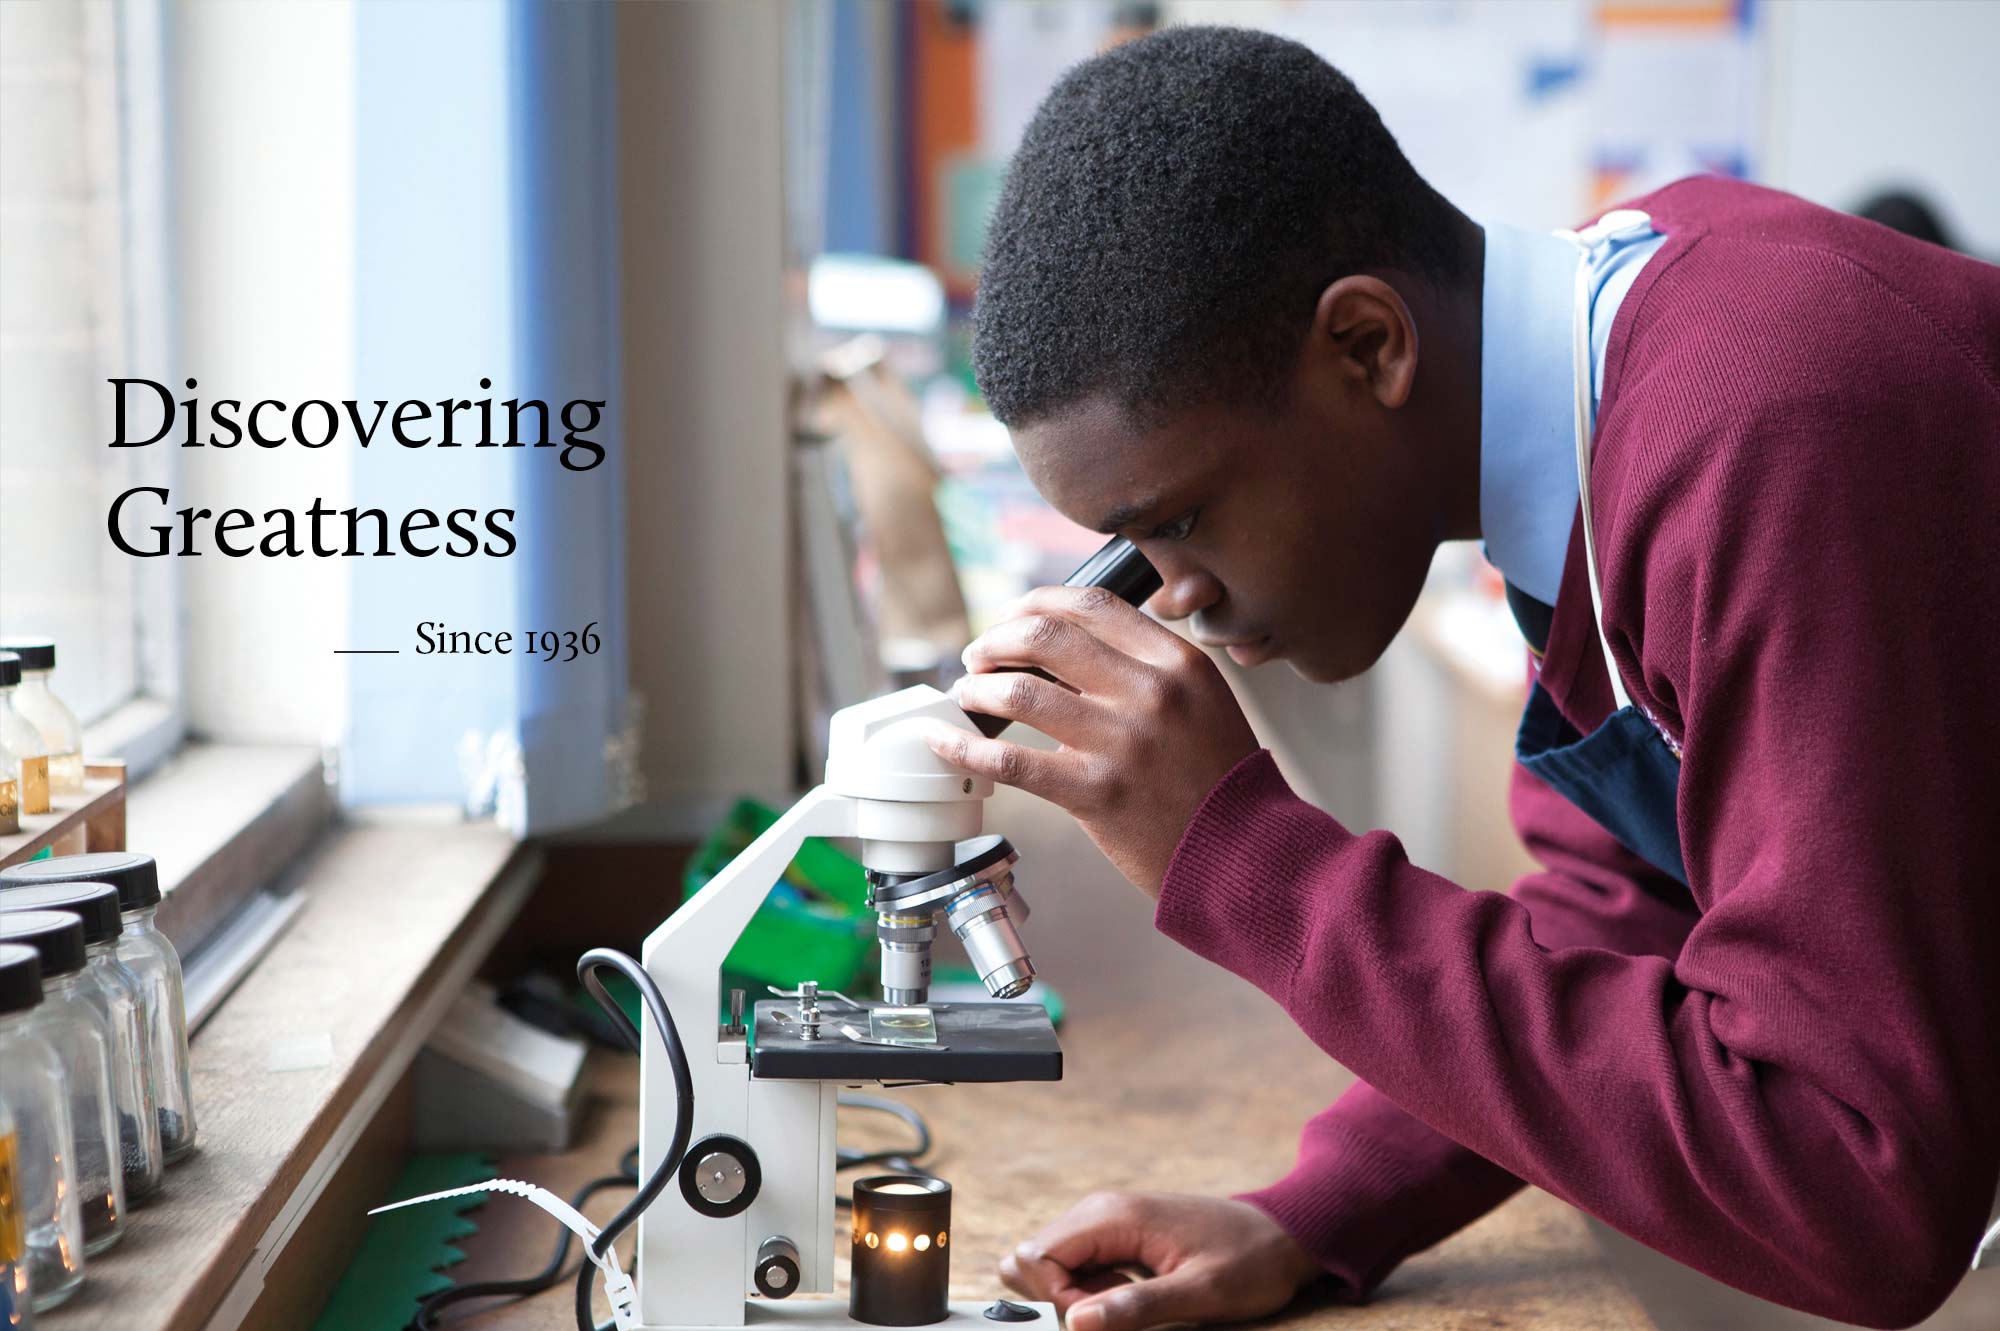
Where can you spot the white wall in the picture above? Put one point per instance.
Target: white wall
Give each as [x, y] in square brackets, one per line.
[62, 331]
[263, 143]
[707, 511]
[1868, 94]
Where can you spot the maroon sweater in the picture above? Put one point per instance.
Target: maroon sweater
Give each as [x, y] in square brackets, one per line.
[1788, 1078]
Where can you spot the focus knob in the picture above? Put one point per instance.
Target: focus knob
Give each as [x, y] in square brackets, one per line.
[720, 1177]
[777, 1272]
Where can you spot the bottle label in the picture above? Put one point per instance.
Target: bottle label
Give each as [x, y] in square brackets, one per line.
[35, 784]
[13, 1243]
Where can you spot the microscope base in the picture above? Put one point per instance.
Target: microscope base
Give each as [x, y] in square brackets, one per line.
[810, 1314]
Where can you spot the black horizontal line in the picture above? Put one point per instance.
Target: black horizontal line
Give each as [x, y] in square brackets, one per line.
[366, 651]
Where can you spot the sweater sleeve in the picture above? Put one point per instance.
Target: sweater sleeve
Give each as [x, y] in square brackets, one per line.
[1800, 1103]
[1374, 1185]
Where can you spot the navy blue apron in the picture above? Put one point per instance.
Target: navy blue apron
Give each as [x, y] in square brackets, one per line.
[1622, 774]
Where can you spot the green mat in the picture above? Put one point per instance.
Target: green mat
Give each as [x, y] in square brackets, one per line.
[403, 1255]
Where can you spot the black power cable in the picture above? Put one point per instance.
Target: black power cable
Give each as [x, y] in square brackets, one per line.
[628, 1164]
[904, 1160]
[656, 1006]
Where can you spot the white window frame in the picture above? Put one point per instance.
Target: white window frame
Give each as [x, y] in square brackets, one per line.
[149, 727]
[115, 72]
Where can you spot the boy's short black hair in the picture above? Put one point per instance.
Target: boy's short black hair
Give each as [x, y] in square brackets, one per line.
[1176, 207]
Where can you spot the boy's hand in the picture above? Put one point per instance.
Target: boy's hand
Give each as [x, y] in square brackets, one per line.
[1214, 1260]
[1146, 723]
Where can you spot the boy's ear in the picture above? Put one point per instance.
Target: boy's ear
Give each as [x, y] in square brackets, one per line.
[1368, 330]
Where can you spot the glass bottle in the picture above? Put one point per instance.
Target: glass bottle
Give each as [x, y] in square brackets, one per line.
[10, 793]
[69, 1024]
[50, 1256]
[150, 957]
[114, 992]
[15, 1312]
[34, 700]
[20, 740]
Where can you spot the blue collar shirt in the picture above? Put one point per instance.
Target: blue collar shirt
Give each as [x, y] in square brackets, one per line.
[1527, 442]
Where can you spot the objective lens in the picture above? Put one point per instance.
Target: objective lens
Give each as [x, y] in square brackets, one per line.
[979, 917]
[906, 956]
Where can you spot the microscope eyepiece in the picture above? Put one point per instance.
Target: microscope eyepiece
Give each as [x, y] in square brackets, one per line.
[1120, 569]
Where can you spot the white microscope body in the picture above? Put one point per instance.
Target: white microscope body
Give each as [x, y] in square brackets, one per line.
[909, 809]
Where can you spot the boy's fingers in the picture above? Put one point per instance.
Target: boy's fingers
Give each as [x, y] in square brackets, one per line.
[1069, 651]
[1036, 1277]
[1038, 773]
[1102, 1230]
[1119, 623]
[1049, 708]
[1184, 1296]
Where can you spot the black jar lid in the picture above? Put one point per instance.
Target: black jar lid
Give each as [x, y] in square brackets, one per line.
[96, 904]
[56, 934]
[135, 876]
[35, 653]
[10, 670]
[20, 978]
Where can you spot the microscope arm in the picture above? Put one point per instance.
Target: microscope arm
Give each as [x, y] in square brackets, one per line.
[693, 1270]
[685, 953]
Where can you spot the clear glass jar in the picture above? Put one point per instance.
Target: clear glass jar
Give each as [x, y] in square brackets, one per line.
[37, 1188]
[10, 792]
[114, 992]
[70, 1025]
[14, 1311]
[19, 740]
[156, 967]
[62, 737]
[153, 963]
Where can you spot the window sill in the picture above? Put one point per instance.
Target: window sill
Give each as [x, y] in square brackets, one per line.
[224, 821]
[142, 733]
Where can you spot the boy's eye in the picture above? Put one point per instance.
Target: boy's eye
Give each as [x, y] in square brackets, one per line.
[1178, 530]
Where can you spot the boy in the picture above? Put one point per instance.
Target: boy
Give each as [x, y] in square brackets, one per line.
[1738, 458]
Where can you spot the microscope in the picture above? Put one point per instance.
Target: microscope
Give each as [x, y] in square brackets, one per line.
[753, 1212]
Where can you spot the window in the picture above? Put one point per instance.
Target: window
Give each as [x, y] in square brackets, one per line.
[82, 286]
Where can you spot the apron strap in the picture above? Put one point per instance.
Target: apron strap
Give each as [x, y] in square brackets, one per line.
[1606, 227]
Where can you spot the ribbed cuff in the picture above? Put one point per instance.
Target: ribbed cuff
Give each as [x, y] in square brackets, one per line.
[1246, 857]
[1350, 1204]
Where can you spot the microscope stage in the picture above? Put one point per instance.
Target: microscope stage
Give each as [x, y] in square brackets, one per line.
[975, 1042]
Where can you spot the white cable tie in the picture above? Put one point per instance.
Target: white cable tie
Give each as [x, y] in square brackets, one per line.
[618, 1287]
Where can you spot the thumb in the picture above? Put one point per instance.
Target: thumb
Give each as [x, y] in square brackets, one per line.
[1188, 1294]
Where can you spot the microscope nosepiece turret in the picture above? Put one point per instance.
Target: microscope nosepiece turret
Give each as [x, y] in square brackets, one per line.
[977, 898]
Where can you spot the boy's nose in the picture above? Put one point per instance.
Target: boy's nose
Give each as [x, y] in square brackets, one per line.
[1183, 591]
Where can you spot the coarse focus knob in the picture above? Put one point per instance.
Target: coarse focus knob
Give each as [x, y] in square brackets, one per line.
[720, 1176]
